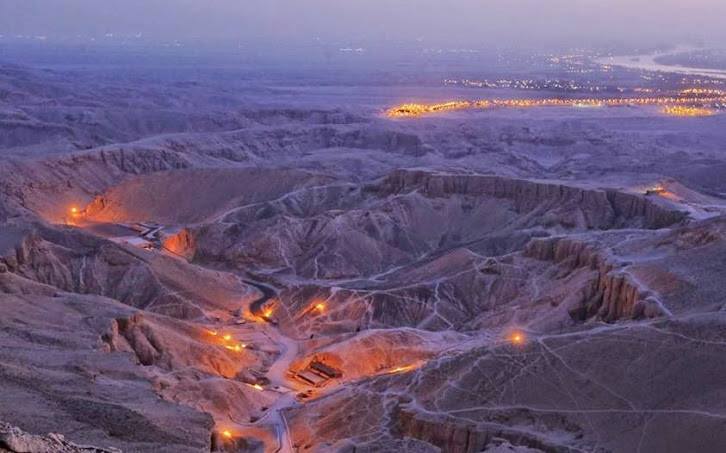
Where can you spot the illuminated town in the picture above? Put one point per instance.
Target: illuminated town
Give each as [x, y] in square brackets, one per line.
[691, 102]
[688, 111]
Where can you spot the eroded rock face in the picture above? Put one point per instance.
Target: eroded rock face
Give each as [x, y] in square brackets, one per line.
[458, 436]
[613, 293]
[171, 345]
[194, 367]
[366, 230]
[180, 243]
[55, 367]
[49, 190]
[76, 262]
[85, 265]
[17, 441]
[598, 209]
[222, 445]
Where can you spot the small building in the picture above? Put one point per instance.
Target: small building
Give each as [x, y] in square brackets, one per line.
[324, 370]
[310, 378]
[317, 374]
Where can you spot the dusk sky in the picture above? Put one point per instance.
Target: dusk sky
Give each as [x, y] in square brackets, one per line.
[465, 22]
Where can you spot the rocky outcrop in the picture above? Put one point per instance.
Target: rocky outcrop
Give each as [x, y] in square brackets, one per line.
[180, 243]
[593, 208]
[631, 206]
[15, 440]
[76, 262]
[48, 188]
[84, 264]
[98, 204]
[238, 445]
[612, 294]
[171, 345]
[453, 436]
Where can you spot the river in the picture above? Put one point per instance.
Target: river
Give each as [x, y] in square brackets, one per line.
[649, 63]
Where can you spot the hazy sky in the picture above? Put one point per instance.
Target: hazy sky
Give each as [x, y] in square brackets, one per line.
[437, 22]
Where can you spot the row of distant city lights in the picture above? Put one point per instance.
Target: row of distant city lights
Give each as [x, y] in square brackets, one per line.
[687, 105]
